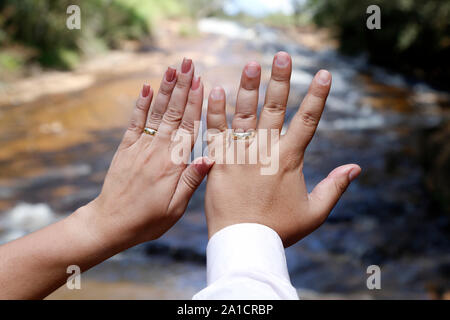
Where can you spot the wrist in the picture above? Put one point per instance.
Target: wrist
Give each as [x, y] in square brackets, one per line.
[92, 233]
[219, 224]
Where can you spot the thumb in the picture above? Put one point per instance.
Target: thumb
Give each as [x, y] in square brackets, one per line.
[327, 193]
[190, 179]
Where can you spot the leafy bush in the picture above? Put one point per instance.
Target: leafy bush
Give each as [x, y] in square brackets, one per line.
[414, 35]
[9, 62]
[41, 24]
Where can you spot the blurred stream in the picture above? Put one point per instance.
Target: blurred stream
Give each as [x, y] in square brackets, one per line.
[55, 150]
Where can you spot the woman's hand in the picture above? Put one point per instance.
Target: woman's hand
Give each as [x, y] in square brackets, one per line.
[145, 192]
[239, 193]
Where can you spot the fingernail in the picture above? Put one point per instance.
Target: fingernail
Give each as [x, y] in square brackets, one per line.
[252, 69]
[195, 83]
[186, 65]
[208, 161]
[145, 90]
[217, 94]
[203, 165]
[353, 174]
[170, 74]
[282, 59]
[324, 77]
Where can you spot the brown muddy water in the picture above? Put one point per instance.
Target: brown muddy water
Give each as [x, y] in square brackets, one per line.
[59, 131]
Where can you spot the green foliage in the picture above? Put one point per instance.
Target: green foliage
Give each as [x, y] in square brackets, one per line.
[188, 30]
[59, 58]
[9, 62]
[279, 20]
[41, 24]
[414, 35]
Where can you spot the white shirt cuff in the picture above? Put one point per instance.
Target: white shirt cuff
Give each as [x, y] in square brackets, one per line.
[245, 246]
[246, 261]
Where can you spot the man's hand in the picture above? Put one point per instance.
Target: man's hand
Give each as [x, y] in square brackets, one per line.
[239, 193]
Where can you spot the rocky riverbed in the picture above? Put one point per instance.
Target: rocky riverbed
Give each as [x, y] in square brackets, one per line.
[60, 130]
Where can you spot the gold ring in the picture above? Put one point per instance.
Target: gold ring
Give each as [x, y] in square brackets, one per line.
[149, 131]
[243, 135]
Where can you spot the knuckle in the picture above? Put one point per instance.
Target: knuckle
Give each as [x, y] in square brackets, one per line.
[173, 115]
[193, 99]
[281, 77]
[246, 115]
[190, 180]
[165, 90]
[141, 105]
[250, 88]
[309, 119]
[183, 84]
[318, 92]
[135, 125]
[274, 107]
[187, 125]
[155, 117]
[291, 161]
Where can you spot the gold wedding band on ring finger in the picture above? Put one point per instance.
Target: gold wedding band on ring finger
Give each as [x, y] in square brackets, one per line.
[150, 131]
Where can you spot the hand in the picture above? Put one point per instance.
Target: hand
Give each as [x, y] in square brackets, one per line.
[239, 193]
[145, 192]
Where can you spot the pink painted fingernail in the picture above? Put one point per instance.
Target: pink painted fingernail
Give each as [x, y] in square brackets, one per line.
[252, 69]
[145, 90]
[203, 165]
[170, 74]
[195, 83]
[186, 65]
[217, 94]
[324, 77]
[282, 59]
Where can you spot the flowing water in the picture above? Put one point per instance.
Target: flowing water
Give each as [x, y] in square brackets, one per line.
[55, 150]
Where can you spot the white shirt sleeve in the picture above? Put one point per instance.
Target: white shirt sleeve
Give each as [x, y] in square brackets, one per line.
[246, 261]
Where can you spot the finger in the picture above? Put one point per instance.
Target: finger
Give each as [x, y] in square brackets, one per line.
[162, 99]
[247, 98]
[216, 117]
[190, 179]
[193, 111]
[138, 117]
[327, 193]
[272, 114]
[304, 124]
[216, 120]
[177, 103]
